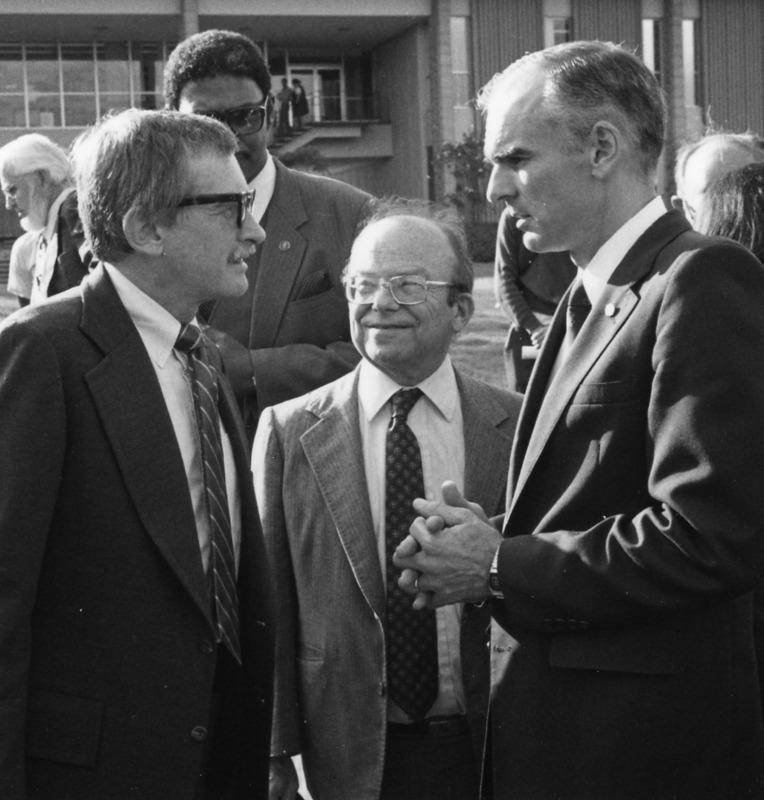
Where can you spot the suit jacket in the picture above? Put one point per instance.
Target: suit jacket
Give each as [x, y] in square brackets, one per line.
[294, 316]
[624, 666]
[107, 653]
[330, 699]
[74, 257]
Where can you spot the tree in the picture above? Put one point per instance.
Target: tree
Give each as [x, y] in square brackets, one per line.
[465, 161]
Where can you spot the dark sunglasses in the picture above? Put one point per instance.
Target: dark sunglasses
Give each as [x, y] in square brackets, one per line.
[240, 120]
[243, 200]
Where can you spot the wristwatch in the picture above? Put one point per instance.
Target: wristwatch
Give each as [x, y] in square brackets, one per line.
[493, 577]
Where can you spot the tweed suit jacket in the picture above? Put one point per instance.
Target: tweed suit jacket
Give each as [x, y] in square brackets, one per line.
[634, 536]
[330, 697]
[107, 653]
[294, 316]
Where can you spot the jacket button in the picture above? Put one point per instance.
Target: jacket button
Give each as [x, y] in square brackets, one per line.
[198, 733]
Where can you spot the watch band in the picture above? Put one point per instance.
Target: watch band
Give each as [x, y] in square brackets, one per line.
[493, 577]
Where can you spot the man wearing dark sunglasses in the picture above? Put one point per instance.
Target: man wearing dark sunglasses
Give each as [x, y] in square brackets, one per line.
[289, 333]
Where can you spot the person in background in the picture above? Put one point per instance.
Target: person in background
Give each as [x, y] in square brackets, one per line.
[21, 266]
[733, 206]
[136, 653]
[35, 177]
[299, 104]
[334, 505]
[289, 332]
[285, 102]
[624, 566]
[701, 163]
[528, 287]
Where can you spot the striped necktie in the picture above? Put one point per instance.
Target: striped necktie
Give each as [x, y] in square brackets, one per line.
[204, 386]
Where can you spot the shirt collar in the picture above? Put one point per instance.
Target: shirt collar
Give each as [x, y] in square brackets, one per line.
[50, 225]
[375, 388]
[263, 183]
[156, 325]
[599, 270]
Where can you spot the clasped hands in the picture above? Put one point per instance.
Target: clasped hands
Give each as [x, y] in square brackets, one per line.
[446, 557]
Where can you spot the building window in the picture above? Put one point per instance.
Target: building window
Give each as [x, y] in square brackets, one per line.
[693, 88]
[652, 30]
[71, 85]
[464, 116]
[558, 22]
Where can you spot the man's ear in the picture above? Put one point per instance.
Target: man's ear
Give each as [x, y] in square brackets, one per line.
[142, 235]
[464, 308]
[605, 142]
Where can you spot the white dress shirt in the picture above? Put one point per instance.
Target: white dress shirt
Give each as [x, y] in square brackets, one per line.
[263, 183]
[436, 420]
[159, 330]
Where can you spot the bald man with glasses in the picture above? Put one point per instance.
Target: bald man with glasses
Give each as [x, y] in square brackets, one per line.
[377, 705]
[289, 332]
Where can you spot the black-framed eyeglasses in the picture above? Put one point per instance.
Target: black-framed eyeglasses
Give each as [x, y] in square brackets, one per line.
[406, 290]
[249, 119]
[243, 200]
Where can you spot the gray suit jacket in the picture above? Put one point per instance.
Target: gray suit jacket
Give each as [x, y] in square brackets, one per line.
[330, 696]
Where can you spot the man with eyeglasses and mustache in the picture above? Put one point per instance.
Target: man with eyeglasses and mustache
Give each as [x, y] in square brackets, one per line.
[135, 643]
[381, 703]
[289, 332]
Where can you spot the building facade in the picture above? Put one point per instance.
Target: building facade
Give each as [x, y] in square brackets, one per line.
[388, 83]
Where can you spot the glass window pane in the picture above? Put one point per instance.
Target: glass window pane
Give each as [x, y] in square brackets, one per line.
[115, 101]
[113, 67]
[78, 67]
[45, 111]
[11, 68]
[149, 100]
[150, 66]
[42, 67]
[12, 111]
[79, 109]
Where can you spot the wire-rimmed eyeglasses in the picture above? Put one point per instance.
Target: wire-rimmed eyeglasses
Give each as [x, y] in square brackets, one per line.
[249, 119]
[243, 200]
[406, 290]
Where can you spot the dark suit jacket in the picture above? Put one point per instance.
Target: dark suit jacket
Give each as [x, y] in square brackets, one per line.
[294, 316]
[74, 258]
[331, 701]
[634, 537]
[107, 651]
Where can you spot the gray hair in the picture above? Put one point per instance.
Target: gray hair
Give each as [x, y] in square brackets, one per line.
[748, 142]
[139, 160]
[589, 81]
[34, 152]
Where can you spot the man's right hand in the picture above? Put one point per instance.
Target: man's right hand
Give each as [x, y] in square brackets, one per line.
[282, 779]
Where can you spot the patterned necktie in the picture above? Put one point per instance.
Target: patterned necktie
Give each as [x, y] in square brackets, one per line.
[412, 650]
[204, 386]
[577, 311]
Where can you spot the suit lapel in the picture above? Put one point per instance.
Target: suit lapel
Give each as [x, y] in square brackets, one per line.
[280, 259]
[545, 404]
[333, 449]
[133, 413]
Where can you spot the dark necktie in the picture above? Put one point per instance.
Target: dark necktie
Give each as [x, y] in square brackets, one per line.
[577, 311]
[204, 386]
[412, 650]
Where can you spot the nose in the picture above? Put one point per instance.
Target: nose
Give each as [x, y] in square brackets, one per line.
[383, 298]
[251, 230]
[501, 184]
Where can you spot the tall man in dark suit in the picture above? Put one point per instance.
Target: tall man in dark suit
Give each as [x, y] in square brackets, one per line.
[288, 333]
[633, 532]
[339, 699]
[123, 671]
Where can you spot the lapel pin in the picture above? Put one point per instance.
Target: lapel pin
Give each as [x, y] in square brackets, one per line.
[610, 310]
[284, 245]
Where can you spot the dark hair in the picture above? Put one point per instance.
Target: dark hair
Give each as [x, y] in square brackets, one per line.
[138, 160]
[590, 80]
[733, 206]
[445, 219]
[210, 54]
